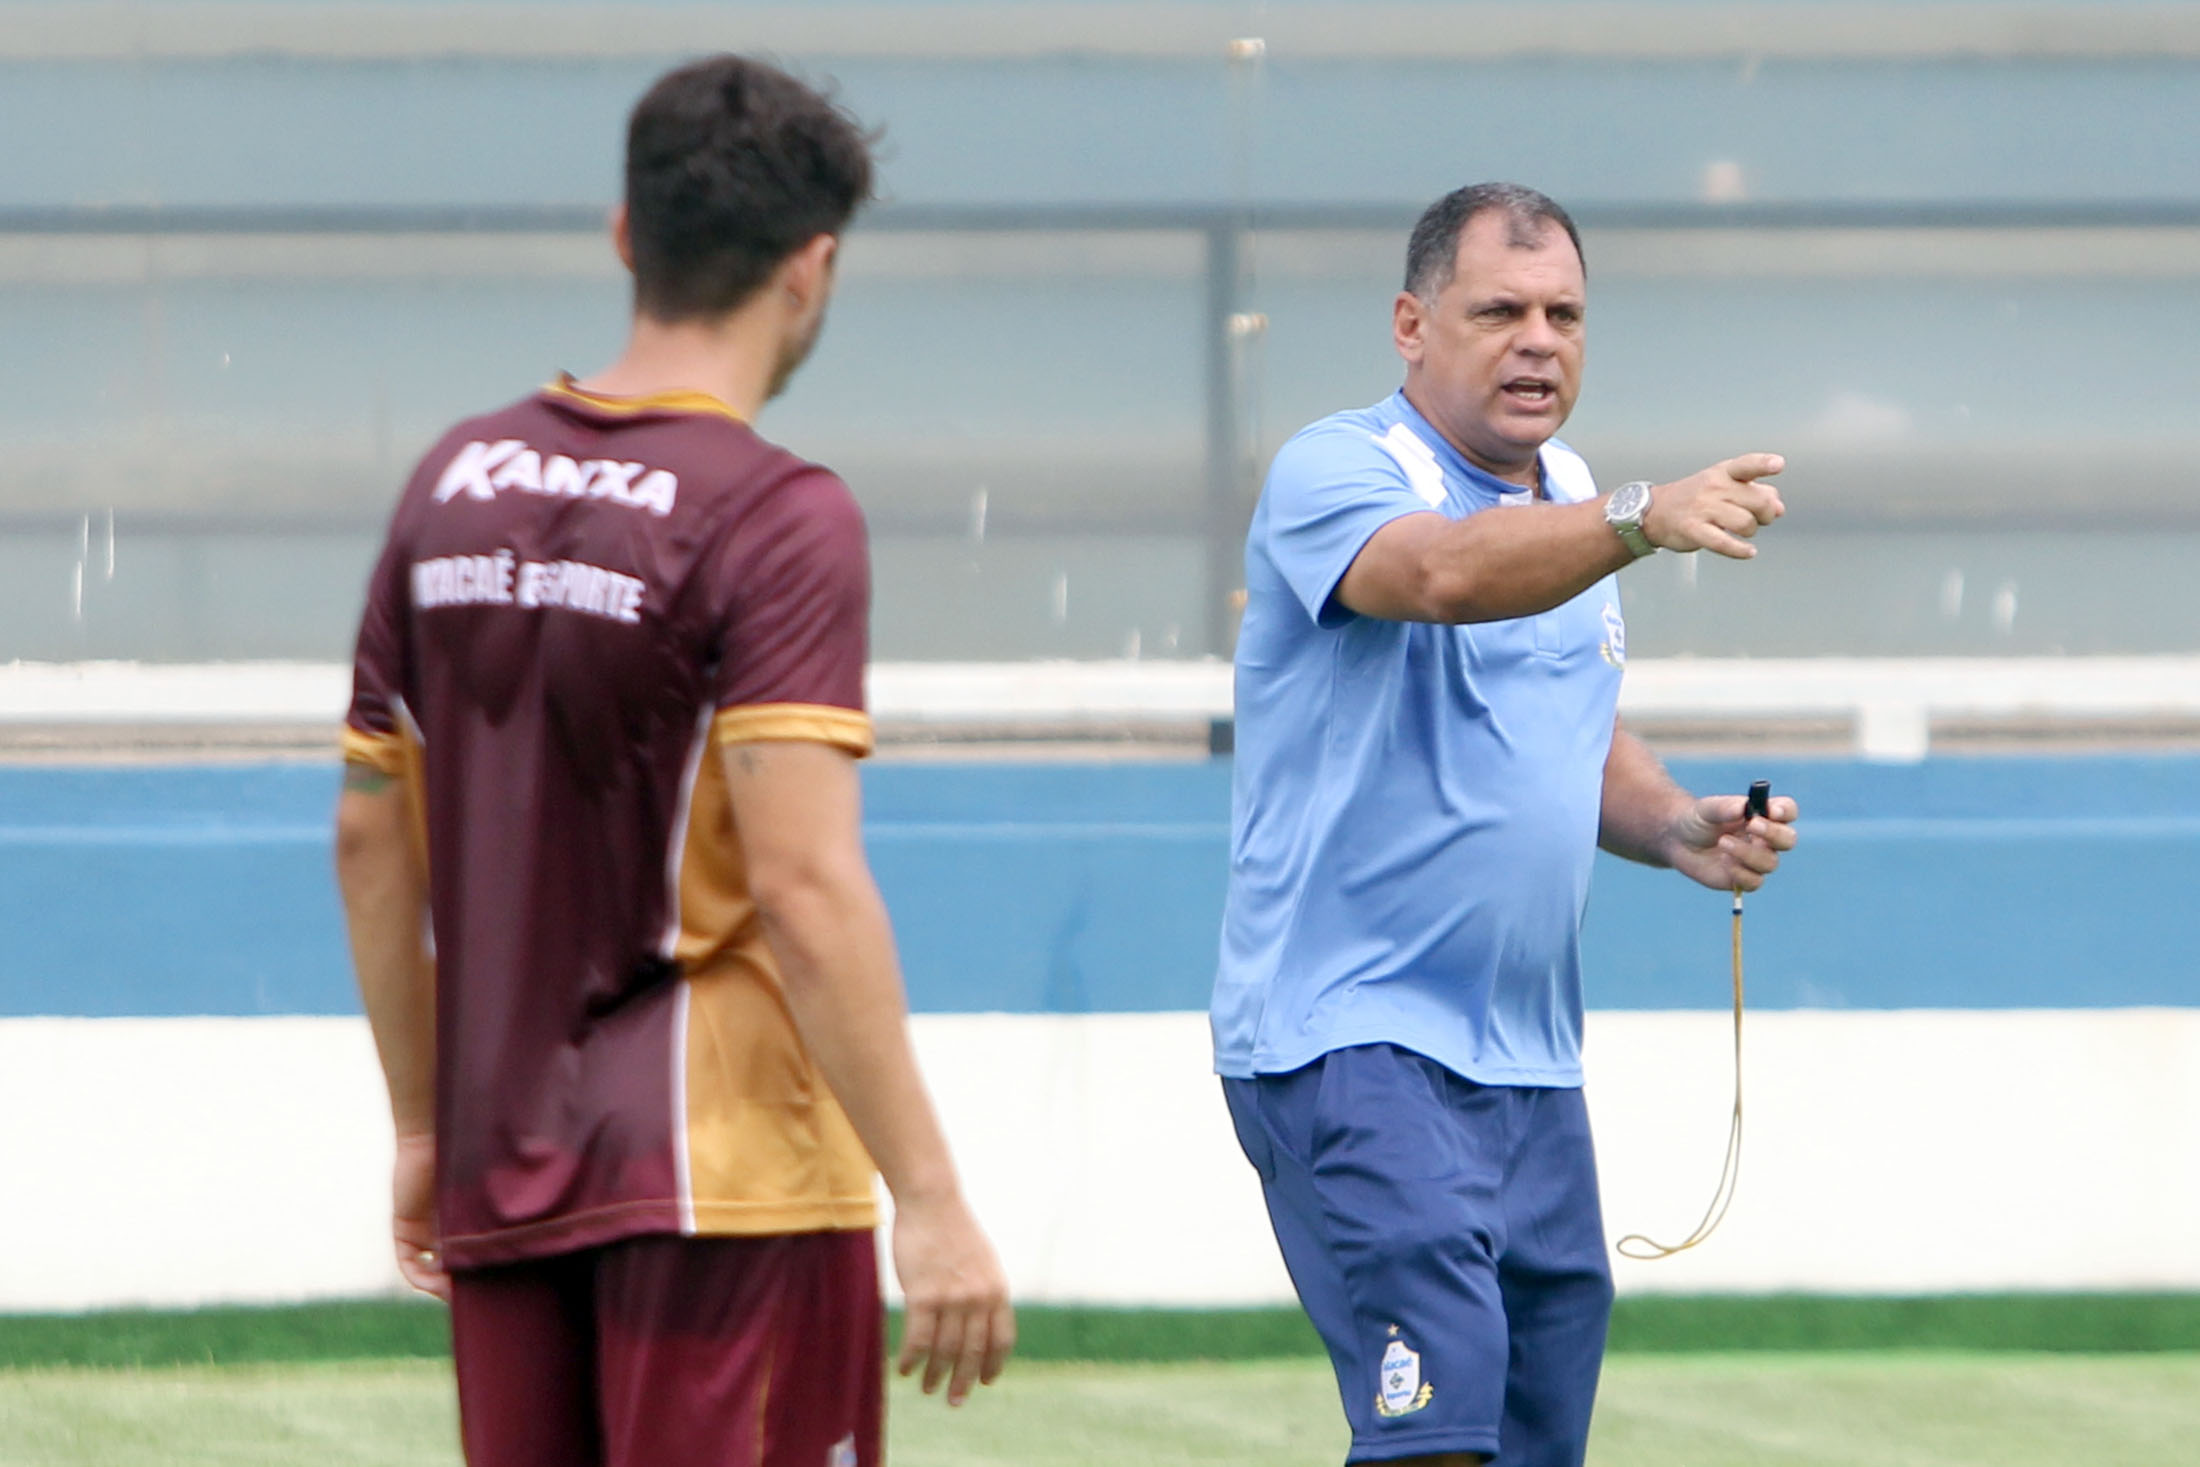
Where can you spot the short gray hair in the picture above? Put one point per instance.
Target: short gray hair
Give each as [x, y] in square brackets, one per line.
[1432, 253]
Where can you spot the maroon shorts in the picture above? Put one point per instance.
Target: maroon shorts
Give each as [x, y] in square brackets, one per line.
[663, 1351]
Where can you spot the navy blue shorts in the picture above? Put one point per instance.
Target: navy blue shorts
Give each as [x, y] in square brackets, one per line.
[1446, 1241]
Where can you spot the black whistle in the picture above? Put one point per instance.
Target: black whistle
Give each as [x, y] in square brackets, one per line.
[1759, 803]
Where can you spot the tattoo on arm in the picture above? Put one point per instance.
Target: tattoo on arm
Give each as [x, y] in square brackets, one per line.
[365, 779]
[746, 758]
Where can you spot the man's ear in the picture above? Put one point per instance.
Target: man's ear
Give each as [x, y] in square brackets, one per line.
[1408, 324]
[807, 274]
[620, 239]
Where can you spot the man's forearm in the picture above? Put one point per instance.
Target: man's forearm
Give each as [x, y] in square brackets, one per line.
[1524, 560]
[1642, 804]
[385, 913]
[1491, 566]
[830, 933]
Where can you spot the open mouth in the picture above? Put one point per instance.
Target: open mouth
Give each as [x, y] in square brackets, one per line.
[1531, 392]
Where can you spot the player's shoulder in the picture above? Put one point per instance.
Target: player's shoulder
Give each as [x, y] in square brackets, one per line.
[1355, 441]
[802, 488]
[1354, 432]
[787, 511]
[1351, 453]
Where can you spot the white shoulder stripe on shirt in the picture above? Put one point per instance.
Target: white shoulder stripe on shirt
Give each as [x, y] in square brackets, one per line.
[1566, 476]
[1423, 472]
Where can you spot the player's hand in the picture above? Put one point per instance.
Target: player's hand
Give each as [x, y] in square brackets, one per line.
[1718, 509]
[412, 1216]
[1711, 841]
[957, 1322]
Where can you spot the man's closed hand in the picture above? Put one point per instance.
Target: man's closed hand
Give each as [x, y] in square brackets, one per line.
[1714, 841]
[1719, 508]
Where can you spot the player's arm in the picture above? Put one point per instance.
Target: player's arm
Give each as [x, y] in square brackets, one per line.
[385, 894]
[1525, 559]
[798, 809]
[1647, 817]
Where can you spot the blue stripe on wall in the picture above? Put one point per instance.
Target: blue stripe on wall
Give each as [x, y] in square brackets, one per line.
[1967, 883]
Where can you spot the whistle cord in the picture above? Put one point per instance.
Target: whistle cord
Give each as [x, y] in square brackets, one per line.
[1638, 1246]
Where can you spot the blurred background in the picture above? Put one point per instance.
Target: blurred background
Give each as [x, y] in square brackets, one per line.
[1946, 257]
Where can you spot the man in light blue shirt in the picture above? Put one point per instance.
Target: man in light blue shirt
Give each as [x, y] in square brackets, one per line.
[1428, 756]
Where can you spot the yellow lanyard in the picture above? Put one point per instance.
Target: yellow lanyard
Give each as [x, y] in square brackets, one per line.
[1636, 1245]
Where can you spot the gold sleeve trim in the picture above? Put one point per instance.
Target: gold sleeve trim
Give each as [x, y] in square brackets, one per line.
[820, 723]
[398, 756]
[384, 752]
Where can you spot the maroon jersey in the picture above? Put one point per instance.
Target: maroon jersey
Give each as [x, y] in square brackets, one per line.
[580, 598]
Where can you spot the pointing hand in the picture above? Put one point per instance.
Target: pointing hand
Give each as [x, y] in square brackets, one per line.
[1718, 508]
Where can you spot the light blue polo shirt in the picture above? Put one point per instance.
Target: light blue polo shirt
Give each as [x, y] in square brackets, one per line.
[1414, 807]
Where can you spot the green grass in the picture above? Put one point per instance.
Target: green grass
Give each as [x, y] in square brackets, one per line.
[329, 1415]
[2059, 1323]
[345, 1329]
[1893, 1410]
[1720, 1410]
[396, 1329]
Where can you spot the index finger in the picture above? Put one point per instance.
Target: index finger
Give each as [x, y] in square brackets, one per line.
[1772, 834]
[1721, 809]
[1753, 466]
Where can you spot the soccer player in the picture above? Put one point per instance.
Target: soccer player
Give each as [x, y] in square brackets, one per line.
[1428, 755]
[606, 711]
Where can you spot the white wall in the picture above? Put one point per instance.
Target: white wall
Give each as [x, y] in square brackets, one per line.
[179, 1161]
[1891, 701]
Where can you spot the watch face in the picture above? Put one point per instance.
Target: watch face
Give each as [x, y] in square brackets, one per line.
[1628, 502]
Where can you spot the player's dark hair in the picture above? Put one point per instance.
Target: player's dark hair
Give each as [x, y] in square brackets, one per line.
[731, 166]
[1432, 253]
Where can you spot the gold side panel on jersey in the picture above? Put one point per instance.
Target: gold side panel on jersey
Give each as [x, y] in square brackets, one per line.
[820, 723]
[769, 1148]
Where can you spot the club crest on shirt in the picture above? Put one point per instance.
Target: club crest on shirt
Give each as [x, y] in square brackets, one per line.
[1402, 1389]
[1615, 637]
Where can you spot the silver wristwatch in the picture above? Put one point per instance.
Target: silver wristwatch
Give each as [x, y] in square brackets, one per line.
[1624, 512]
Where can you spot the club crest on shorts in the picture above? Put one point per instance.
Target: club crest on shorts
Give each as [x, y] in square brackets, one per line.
[1615, 637]
[842, 1453]
[1403, 1391]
